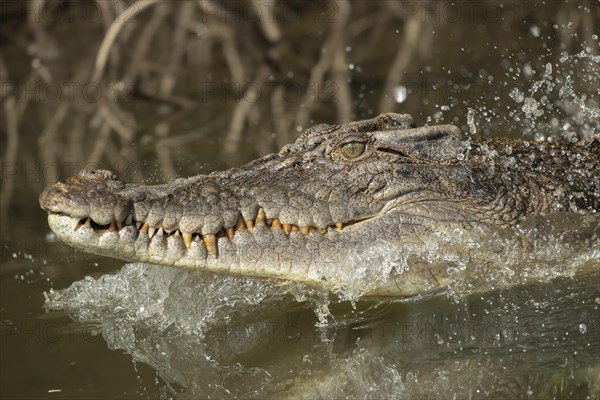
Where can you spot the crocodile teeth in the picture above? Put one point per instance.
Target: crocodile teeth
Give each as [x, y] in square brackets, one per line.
[304, 230]
[230, 233]
[339, 226]
[129, 219]
[240, 224]
[111, 227]
[75, 224]
[119, 224]
[276, 224]
[287, 228]
[187, 239]
[88, 223]
[322, 231]
[249, 223]
[210, 241]
[138, 224]
[260, 217]
[145, 228]
[160, 231]
[151, 232]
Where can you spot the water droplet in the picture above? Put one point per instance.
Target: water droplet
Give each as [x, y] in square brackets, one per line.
[582, 328]
[400, 94]
[471, 121]
[529, 391]
[517, 95]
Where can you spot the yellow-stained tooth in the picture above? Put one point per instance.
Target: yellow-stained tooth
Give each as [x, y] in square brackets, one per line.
[339, 226]
[111, 227]
[145, 227]
[260, 218]
[187, 239]
[287, 228]
[276, 224]
[230, 232]
[240, 224]
[210, 241]
[304, 230]
[249, 223]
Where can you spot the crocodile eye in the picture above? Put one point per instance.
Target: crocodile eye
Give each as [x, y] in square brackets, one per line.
[353, 149]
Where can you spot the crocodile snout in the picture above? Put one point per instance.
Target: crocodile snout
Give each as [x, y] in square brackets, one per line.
[52, 197]
[91, 193]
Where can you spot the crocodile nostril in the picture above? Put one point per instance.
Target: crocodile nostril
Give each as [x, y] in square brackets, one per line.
[97, 174]
[58, 189]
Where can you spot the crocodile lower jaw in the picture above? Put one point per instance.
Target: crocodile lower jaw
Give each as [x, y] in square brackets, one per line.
[148, 243]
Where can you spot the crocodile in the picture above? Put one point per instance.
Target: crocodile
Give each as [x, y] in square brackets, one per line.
[320, 204]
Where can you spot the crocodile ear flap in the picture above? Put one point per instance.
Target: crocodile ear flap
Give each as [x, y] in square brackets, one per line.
[441, 143]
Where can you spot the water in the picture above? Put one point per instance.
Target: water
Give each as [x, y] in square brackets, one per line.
[522, 319]
[528, 315]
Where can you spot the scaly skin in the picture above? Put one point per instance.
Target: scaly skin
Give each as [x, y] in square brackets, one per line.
[319, 204]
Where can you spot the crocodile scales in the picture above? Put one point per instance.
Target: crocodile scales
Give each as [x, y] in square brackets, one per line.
[296, 214]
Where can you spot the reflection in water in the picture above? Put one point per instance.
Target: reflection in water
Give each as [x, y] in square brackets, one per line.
[516, 335]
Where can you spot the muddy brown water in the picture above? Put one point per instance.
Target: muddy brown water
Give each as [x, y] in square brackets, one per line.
[477, 70]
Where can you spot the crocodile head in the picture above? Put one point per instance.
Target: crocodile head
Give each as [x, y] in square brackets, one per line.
[337, 188]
